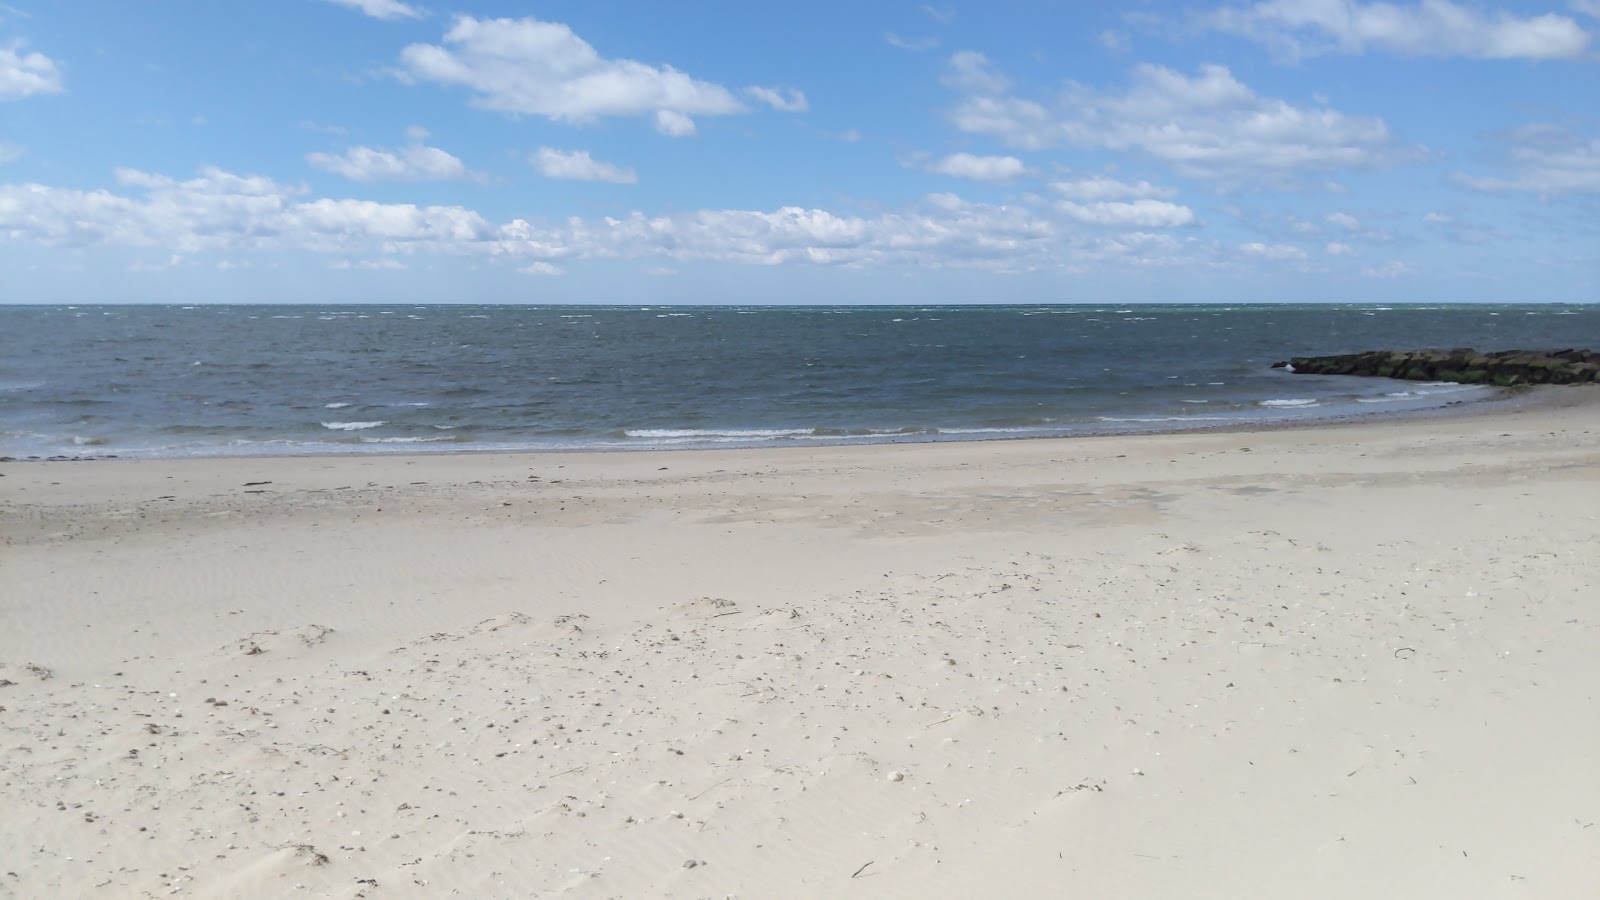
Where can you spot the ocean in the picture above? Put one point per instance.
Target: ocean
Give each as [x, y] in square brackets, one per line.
[167, 381]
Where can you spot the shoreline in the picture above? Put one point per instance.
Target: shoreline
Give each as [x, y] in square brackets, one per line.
[1532, 396]
[1323, 662]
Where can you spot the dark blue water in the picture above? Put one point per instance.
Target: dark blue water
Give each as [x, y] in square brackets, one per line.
[218, 380]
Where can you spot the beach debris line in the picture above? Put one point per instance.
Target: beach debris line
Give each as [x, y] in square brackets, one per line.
[1461, 365]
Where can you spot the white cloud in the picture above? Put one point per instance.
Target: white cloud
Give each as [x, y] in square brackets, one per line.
[1549, 160]
[578, 165]
[417, 133]
[969, 72]
[981, 168]
[780, 99]
[411, 163]
[367, 265]
[540, 268]
[388, 10]
[222, 212]
[674, 124]
[1335, 248]
[26, 74]
[1118, 42]
[1277, 252]
[944, 15]
[1590, 8]
[1099, 187]
[542, 68]
[1391, 269]
[915, 45]
[10, 153]
[1210, 125]
[1343, 220]
[1435, 218]
[1134, 214]
[1438, 28]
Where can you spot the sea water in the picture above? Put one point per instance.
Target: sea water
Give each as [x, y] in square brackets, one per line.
[229, 380]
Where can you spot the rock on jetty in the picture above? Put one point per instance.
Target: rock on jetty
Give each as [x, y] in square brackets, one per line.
[1465, 366]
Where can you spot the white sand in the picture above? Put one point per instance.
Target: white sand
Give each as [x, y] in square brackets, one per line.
[1358, 661]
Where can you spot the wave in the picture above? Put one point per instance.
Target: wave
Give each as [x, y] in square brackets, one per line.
[713, 434]
[1150, 419]
[351, 426]
[1294, 403]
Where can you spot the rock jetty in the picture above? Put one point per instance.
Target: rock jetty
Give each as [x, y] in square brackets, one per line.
[1465, 366]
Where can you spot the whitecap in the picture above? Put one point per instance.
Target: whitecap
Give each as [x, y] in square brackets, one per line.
[714, 434]
[334, 405]
[1294, 403]
[351, 426]
[1147, 419]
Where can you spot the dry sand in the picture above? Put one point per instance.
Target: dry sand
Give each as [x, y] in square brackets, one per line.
[1355, 661]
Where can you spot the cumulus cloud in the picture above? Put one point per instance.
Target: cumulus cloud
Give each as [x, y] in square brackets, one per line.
[1549, 160]
[578, 165]
[981, 168]
[1209, 125]
[387, 10]
[1344, 220]
[526, 66]
[780, 99]
[24, 74]
[540, 268]
[1130, 214]
[415, 162]
[1099, 187]
[222, 212]
[1438, 28]
[219, 210]
[970, 72]
[1335, 248]
[1276, 252]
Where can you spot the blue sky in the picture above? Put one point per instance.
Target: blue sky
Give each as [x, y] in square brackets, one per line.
[723, 152]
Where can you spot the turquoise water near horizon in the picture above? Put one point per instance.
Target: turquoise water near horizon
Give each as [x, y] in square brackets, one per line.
[220, 380]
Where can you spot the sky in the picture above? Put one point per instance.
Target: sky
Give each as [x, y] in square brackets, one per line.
[828, 152]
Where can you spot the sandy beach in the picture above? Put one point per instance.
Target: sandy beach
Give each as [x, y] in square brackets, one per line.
[1348, 661]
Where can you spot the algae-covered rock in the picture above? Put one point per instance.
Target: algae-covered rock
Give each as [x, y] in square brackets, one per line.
[1462, 365]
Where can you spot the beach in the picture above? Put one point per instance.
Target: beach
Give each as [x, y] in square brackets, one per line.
[1346, 660]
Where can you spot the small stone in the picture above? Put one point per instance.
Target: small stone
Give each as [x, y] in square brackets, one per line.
[690, 863]
[897, 776]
